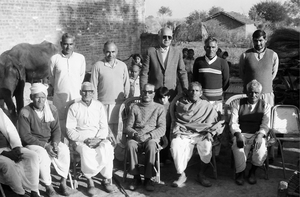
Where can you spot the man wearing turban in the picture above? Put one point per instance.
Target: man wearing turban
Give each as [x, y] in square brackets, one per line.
[40, 131]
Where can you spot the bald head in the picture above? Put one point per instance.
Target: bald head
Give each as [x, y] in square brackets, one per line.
[165, 37]
[110, 51]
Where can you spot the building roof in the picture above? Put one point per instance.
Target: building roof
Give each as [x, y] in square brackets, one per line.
[234, 16]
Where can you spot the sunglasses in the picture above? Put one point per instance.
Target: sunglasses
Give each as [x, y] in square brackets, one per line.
[88, 91]
[149, 91]
[169, 37]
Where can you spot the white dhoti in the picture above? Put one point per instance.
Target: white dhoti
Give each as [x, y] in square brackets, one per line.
[241, 154]
[23, 175]
[96, 160]
[182, 151]
[61, 163]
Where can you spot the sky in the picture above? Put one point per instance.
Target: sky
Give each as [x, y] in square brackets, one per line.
[182, 8]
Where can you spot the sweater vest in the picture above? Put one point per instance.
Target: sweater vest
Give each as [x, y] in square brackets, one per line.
[250, 121]
[261, 70]
[3, 141]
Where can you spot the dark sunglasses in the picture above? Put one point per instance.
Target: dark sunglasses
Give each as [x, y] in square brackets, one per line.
[88, 91]
[149, 91]
[169, 37]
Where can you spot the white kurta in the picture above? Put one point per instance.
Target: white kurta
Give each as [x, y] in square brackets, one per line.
[67, 75]
[88, 122]
[21, 175]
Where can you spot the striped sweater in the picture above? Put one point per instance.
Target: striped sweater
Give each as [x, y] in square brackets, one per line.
[213, 77]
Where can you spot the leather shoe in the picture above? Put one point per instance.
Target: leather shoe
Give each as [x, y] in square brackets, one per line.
[180, 181]
[252, 178]
[239, 178]
[135, 183]
[107, 185]
[203, 181]
[34, 194]
[66, 191]
[149, 185]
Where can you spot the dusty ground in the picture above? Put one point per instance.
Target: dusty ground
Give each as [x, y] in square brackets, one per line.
[223, 186]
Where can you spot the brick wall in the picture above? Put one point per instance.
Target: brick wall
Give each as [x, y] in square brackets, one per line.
[93, 22]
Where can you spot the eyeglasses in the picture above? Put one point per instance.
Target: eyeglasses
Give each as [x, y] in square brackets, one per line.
[169, 37]
[88, 91]
[149, 91]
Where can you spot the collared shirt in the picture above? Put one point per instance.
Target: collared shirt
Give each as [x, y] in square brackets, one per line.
[210, 61]
[164, 53]
[85, 121]
[234, 121]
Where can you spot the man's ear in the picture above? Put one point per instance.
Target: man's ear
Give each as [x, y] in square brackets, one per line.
[31, 97]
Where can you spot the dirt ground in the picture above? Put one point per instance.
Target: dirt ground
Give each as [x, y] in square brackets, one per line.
[224, 185]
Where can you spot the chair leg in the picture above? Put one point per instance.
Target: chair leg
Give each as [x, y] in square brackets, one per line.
[158, 167]
[2, 191]
[266, 163]
[282, 158]
[71, 181]
[125, 166]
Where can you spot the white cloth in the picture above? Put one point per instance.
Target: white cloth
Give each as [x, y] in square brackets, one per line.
[241, 154]
[66, 76]
[88, 122]
[61, 163]
[22, 175]
[38, 88]
[182, 151]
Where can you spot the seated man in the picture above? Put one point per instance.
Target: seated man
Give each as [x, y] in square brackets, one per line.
[39, 130]
[19, 166]
[87, 127]
[145, 127]
[196, 124]
[249, 125]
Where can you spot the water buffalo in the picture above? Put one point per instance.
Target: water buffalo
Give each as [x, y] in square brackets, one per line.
[23, 63]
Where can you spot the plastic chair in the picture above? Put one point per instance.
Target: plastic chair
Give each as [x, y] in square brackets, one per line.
[285, 124]
[123, 115]
[216, 143]
[270, 135]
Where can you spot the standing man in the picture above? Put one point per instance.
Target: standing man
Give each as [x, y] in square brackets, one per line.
[212, 72]
[87, 127]
[146, 124]
[67, 74]
[164, 64]
[111, 81]
[260, 63]
[39, 130]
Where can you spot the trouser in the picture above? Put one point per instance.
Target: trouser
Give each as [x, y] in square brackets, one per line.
[150, 148]
[218, 105]
[96, 160]
[21, 175]
[112, 111]
[268, 97]
[61, 163]
[182, 151]
[241, 154]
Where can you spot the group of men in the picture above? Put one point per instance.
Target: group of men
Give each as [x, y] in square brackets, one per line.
[43, 128]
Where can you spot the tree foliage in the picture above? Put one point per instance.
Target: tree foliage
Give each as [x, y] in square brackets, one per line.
[269, 11]
[196, 16]
[164, 11]
[213, 10]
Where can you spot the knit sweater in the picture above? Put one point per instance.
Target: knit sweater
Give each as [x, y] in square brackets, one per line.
[213, 77]
[111, 83]
[262, 70]
[147, 118]
[34, 131]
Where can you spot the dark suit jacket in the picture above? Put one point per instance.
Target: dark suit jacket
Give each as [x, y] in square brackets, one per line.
[155, 72]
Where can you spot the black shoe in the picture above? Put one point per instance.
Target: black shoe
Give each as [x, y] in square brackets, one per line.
[135, 183]
[149, 185]
[34, 194]
[203, 181]
[239, 178]
[107, 184]
[252, 178]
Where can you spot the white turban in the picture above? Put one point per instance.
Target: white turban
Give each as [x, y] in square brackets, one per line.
[41, 88]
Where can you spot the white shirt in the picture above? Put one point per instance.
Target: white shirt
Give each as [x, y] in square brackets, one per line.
[86, 121]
